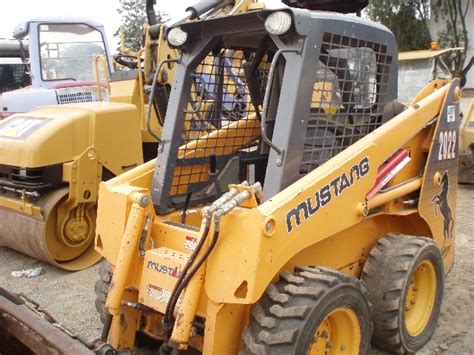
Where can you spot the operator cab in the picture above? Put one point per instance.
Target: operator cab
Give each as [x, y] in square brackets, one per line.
[268, 96]
[342, 6]
[60, 63]
[62, 49]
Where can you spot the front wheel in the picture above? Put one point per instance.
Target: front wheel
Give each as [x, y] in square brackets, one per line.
[102, 287]
[404, 276]
[311, 311]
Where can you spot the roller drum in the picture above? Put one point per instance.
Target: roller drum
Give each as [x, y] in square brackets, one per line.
[39, 238]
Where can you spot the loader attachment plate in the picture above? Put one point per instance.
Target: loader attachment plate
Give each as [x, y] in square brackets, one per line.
[163, 266]
[24, 332]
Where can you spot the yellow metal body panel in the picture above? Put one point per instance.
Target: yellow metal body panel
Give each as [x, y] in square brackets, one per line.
[125, 91]
[60, 133]
[53, 129]
[125, 258]
[219, 319]
[440, 178]
[337, 230]
[21, 206]
[162, 268]
[129, 91]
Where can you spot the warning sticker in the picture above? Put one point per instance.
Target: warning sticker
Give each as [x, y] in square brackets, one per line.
[158, 294]
[190, 243]
[451, 114]
[20, 127]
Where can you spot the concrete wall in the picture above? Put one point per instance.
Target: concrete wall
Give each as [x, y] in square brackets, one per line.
[436, 27]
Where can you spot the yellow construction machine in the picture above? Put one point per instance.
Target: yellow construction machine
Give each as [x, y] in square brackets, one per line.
[56, 55]
[313, 220]
[52, 159]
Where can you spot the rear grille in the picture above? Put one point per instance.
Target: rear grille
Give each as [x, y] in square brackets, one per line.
[30, 179]
[82, 94]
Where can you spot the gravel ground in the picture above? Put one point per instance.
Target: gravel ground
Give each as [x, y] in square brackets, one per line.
[69, 297]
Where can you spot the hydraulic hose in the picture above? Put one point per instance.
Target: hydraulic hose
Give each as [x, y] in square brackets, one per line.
[167, 319]
[222, 206]
[192, 272]
[106, 329]
[150, 105]
[204, 6]
[150, 12]
[201, 261]
[151, 100]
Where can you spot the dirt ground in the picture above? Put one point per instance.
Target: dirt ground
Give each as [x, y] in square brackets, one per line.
[69, 297]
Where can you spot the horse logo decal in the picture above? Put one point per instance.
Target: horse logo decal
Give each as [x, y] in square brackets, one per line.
[441, 202]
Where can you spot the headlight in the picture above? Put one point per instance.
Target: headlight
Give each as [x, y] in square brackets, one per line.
[177, 37]
[278, 23]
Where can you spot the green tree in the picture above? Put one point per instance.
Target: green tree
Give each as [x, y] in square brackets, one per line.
[452, 13]
[407, 19]
[133, 14]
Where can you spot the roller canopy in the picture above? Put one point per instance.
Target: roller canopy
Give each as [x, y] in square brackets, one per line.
[343, 6]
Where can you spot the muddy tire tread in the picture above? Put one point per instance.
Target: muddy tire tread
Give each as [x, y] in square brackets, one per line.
[289, 304]
[396, 253]
[101, 288]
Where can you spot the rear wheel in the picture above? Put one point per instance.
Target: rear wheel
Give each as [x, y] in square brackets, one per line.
[405, 279]
[311, 311]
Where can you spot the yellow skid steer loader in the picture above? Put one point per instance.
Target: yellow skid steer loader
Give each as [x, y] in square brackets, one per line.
[309, 220]
[295, 225]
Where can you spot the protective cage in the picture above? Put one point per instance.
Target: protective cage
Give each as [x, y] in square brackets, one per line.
[220, 121]
[13, 76]
[332, 94]
[349, 95]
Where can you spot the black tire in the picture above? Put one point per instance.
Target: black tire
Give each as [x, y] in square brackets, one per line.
[102, 288]
[285, 320]
[387, 275]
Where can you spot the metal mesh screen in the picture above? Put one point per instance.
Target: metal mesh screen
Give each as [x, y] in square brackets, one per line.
[13, 76]
[219, 118]
[349, 94]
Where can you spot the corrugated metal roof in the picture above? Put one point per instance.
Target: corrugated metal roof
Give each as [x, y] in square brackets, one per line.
[425, 54]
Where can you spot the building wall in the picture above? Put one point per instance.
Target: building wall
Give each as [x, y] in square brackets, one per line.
[436, 27]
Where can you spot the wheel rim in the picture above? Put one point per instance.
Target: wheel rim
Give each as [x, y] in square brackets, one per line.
[67, 255]
[59, 241]
[420, 298]
[338, 333]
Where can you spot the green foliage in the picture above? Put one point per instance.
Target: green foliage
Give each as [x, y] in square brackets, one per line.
[133, 14]
[407, 19]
